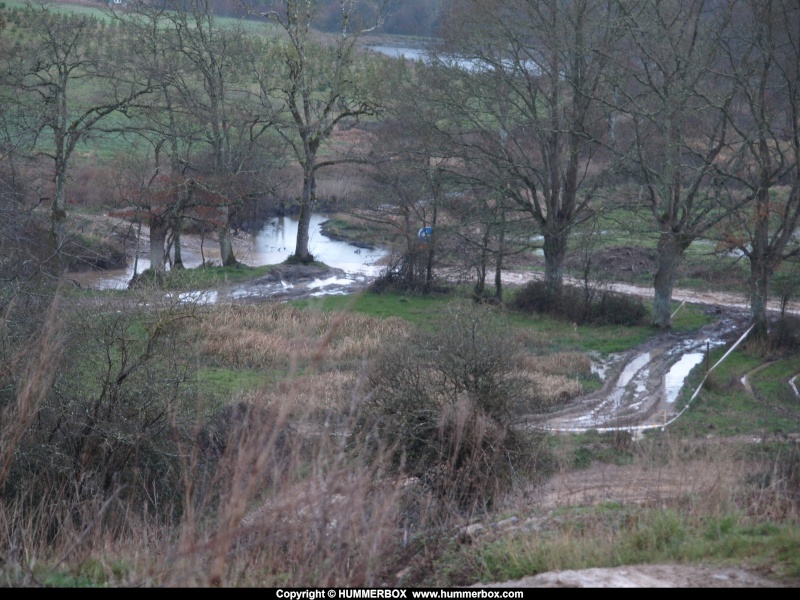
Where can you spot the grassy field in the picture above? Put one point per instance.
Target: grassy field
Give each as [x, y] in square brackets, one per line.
[308, 364]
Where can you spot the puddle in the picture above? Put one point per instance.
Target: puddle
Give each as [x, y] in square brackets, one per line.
[197, 297]
[635, 368]
[601, 367]
[632, 368]
[676, 376]
[319, 283]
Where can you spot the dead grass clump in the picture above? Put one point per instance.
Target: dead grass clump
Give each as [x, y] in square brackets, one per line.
[274, 336]
[570, 364]
[554, 390]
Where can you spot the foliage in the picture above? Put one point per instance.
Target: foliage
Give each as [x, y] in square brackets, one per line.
[573, 304]
[443, 403]
[109, 425]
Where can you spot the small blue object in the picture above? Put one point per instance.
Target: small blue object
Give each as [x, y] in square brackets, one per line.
[425, 233]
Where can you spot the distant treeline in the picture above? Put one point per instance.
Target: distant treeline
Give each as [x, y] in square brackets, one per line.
[403, 17]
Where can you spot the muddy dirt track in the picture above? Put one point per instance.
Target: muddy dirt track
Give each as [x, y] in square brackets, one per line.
[641, 387]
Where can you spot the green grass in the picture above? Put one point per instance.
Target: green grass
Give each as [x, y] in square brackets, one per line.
[580, 450]
[418, 310]
[610, 535]
[202, 278]
[360, 232]
[224, 383]
[555, 335]
[724, 407]
[772, 384]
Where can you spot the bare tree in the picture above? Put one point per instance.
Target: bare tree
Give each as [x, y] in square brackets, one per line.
[209, 121]
[320, 88]
[672, 122]
[58, 55]
[762, 57]
[526, 77]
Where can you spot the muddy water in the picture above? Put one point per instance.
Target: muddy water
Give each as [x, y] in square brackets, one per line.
[272, 245]
[677, 374]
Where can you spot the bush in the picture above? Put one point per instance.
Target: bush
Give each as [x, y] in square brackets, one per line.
[785, 334]
[600, 307]
[118, 408]
[443, 402]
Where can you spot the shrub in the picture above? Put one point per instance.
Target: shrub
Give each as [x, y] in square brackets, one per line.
[601, 307]
[785, 334]
[117, 410]
[443, 403]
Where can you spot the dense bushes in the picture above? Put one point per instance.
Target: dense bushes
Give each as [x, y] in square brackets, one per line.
[579, 305]
[442, 403]
[784, 335]
[112, 418]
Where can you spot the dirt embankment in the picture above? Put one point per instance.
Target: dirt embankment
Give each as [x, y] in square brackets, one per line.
[644, 576]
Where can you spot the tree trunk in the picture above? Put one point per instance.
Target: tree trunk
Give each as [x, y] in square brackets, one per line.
[431, 252]
[760, 274]
[761, 266]
[669, 255]
[58, 209]
[555, 251]
[501, 250]
[480, 284]
[225, 245]
[306, 209]
[158, 236]
[176, 241]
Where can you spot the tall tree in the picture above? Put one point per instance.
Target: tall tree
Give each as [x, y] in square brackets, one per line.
[49, 81]
[762, 57]
[209, 120]
[672, 123]
[321, 86]
[526, 78]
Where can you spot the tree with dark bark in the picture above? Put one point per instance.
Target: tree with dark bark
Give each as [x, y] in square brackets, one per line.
[60, 55]
[762, 57]
[208, 120]
[672, 123]
[321, 86]
[525, 82]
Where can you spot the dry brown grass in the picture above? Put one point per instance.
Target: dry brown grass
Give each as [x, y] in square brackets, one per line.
[328, 391]
[271, 336]
[559, 363]
[289, 500]
[552, 390]
[552, 376]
